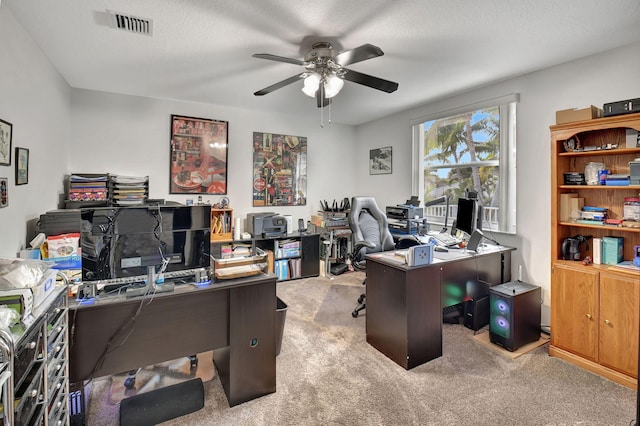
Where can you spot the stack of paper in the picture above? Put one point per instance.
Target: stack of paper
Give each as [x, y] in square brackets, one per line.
[129, 190]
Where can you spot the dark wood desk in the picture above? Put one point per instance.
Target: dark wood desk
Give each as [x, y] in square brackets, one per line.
[237, 319]
[404, 304]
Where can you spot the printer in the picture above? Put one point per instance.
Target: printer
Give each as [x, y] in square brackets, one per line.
[402, 219]
[404, 212]
[266, 225]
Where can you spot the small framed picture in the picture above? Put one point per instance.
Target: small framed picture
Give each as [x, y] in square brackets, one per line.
[380, 161]
[22, 166]
[5, 143]
[4, 192]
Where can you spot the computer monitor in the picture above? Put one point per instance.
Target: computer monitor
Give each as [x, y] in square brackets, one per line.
[467, 215]
[123, 242]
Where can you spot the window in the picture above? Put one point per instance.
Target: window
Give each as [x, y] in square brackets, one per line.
[470, 148]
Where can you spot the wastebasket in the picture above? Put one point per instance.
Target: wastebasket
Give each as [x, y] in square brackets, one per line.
[281, 315]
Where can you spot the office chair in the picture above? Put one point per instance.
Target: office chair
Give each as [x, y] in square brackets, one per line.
[370, 233]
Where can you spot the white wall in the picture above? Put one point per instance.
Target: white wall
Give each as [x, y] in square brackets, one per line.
[36, 101]
[602, 78]
[130, 136]
[72, 130]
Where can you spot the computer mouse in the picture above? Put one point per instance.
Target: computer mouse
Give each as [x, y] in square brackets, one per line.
[440, 248]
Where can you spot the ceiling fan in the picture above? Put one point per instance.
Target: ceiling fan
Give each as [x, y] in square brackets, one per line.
[325, 71]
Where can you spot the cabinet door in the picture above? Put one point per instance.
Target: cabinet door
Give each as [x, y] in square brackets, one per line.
[574, 310]
[619, 295]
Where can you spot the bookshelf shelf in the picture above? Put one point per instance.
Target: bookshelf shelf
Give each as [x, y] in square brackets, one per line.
[221, 225]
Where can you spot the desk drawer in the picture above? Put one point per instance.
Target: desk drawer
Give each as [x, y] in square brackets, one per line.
[58, 401]
[59, 418]
[29, 395]
[56, 325]
[29, 351]
[55, 346]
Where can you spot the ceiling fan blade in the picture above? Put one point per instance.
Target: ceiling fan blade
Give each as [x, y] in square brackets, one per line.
[279, 85]
[278, 58]
[370, 81]
[361, 53]
[321, 99]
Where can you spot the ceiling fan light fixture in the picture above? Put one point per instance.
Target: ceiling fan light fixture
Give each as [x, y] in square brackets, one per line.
[332, 86]
[311, 84]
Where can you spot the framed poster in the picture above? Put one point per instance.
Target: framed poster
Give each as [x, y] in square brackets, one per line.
[22, 166]
[279, 170]
[199, 149]
[380, 161]
[6, 130]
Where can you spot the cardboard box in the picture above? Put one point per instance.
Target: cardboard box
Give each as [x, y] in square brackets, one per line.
[565, 206]
[42, 290]
[571, 115]
[317, 220]
[575, 207]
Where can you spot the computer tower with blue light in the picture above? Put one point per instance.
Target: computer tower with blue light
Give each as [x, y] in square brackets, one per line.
[514, 314]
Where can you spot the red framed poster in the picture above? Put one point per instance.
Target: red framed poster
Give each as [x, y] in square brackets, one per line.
[279, 170]
[199, 152]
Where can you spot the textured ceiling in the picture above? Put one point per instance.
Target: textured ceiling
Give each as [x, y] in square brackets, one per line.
[200, 50]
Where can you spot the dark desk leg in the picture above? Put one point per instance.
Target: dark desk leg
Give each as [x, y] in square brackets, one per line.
[247, 367]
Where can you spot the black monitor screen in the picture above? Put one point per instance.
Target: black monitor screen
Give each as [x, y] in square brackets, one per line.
[467, 215]
[121, 242]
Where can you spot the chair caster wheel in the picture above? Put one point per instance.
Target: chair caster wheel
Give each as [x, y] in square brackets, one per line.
[130, 382]
[354, 314]
[193, 361]
[360, 299]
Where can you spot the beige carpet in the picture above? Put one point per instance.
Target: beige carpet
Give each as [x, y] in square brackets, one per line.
[339, 299]
[327, 374]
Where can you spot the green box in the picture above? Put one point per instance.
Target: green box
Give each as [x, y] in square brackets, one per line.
[612, 250]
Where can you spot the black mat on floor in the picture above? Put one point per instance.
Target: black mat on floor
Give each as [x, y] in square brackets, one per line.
[162, 404]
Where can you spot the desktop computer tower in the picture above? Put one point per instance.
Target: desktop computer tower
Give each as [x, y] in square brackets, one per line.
[476, 313]
[514, 314]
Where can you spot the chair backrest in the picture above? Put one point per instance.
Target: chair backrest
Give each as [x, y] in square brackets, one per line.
[369, 223]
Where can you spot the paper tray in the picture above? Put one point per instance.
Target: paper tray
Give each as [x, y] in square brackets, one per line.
[242, 266]
[240, 271]
[239, 261]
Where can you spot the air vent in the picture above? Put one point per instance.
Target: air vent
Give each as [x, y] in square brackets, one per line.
[132, 24]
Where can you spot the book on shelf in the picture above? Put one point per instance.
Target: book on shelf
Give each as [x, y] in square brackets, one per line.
[590, 222]
[282, 269]
[295, 267]
[597, 250]
[626, 266]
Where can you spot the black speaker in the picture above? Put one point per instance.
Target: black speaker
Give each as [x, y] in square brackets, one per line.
[476, 313]
[474, 240]
[514, 310]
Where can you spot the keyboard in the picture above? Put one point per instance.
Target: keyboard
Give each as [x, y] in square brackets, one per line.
[445, 239]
